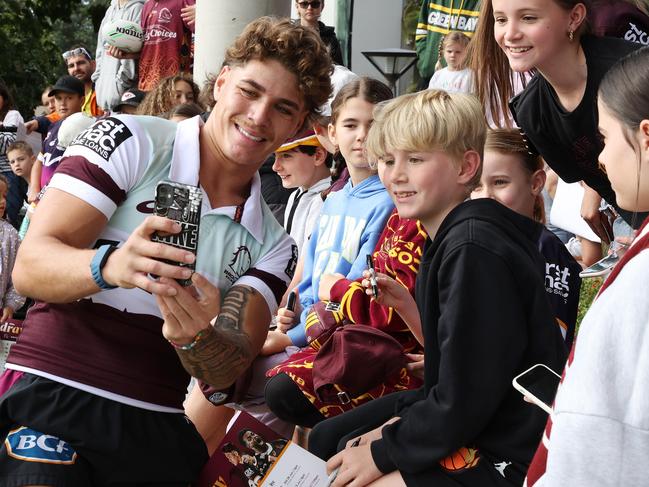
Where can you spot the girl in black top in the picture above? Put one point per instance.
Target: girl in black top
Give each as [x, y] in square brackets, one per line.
[557, 110]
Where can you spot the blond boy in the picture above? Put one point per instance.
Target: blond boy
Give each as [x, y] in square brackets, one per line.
[481, 304]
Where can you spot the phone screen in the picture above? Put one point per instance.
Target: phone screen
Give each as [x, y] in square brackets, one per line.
[541, 382]
[601, 266]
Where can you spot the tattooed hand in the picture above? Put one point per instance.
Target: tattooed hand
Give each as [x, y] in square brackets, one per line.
[226, 349]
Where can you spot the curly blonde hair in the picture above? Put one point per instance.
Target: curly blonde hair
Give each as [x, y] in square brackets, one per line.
[299, 49]
[160, 100]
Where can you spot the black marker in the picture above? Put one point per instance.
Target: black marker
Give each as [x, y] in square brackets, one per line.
[370, 266]
[290, 302]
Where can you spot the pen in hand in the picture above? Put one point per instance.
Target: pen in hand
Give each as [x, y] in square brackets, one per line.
[370, 266]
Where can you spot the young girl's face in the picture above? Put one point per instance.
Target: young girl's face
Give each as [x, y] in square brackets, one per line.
[350, 131]
[531, 32]
[621, 162]
[3, 198]
[454, 54]
[182, 92]
[505, 179]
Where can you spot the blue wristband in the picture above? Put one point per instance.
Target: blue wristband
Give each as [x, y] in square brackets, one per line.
[97, 264]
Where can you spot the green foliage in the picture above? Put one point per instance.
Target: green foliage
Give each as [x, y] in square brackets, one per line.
[34, 33]
[587, 293]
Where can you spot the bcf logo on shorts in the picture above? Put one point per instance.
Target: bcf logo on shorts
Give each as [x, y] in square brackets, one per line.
[32, 446]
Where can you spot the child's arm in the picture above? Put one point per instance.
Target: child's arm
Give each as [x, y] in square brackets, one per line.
[11, 300]
[35, 180]
[396, 255]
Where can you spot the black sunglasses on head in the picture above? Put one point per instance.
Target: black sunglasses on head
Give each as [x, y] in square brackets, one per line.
[306, 5]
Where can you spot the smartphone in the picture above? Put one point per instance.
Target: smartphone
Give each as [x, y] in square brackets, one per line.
[290, 302]
[601, 267]
[181, 203]
[539, 384]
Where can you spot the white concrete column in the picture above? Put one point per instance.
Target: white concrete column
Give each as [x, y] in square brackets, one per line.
[219, 22]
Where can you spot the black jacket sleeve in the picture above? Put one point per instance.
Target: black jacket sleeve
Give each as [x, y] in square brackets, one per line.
[482, 336]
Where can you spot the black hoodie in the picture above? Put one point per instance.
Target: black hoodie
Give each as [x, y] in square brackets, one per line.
[485, 318]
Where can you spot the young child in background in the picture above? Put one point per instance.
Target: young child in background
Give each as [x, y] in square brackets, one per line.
[601, 410]
[514, 177]
[69, 93]
[304, 164]
[21, 159]
[9, 297]
[351, 220]
[169, 92]
[455, 77]
[481, 305]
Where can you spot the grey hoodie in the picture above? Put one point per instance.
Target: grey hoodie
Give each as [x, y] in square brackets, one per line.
[112, 76]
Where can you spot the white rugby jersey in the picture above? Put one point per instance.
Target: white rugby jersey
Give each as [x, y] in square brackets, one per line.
[111, 343]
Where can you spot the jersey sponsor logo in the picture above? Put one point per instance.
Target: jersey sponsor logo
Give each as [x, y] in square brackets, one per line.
[557, 280]
[636, 35]
[158, 33]
[10, 330]
[146, 207]
[239, 265]
[292, 263]
[33, 446]
[103, 137]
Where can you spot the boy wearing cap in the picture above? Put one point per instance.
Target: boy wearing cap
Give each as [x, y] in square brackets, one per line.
[69, 95]
[129, 101]
[303, 163]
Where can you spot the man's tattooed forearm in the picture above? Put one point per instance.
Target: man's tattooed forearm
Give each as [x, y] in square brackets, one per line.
[219, 358]
[225, 351]
[232, 309]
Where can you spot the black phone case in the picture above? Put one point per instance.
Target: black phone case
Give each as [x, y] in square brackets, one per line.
[181, 203]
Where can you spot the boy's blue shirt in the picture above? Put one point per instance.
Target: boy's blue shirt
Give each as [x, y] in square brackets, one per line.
[349, 227]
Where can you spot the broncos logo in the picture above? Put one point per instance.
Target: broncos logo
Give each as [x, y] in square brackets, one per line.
[241, 261]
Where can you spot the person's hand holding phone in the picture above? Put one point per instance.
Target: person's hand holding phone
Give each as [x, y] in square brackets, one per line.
[131, 264]
[190, 310]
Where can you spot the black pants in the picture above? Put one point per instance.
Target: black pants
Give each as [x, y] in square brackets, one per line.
[286, 400]
[331, 435]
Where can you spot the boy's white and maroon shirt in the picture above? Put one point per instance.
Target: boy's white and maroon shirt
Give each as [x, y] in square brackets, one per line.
[111, 343]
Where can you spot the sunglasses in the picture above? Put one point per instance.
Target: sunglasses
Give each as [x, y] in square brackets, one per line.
[79, 51]
[306, 5]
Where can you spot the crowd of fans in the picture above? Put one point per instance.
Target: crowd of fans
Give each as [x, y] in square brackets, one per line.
[374, 270]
